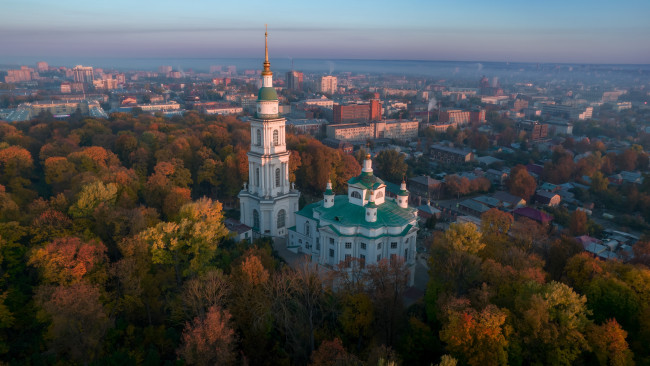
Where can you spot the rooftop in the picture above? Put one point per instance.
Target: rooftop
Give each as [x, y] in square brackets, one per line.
[348, 214]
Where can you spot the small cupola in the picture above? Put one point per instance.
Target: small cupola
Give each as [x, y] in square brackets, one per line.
[328, 196]
[371, 209]
[403, 195]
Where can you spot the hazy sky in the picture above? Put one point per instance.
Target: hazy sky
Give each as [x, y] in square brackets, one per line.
[585, 31]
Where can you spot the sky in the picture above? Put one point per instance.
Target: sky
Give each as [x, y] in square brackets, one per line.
[566, 31]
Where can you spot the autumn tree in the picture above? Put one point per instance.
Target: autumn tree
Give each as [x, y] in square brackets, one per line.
[520, 183]
[495, 225]
[387, 282]
[208, 340]
[609, 344]
[189, 242]
[357, 316]
[332, 353]
[478, 337]
[578, 223]
[251, 305]
[68, 260]
[550, 324]
[598, 182]
[78, 321]
[463, 237]
[456, 185]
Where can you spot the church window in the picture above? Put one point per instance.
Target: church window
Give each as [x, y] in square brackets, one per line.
[379, 195]
[393, 245]
[355, 194]
[257, 177]
[363, 246]
[378, 246]
[307, 228]
[331, 241]
[332, 253]
[282, 215]
[256, 219]
[406, 254]
[276, 139]
[378, 257]
[362, 260]
[277, 177]
[348, 245]
[258, 140]
[348, 260]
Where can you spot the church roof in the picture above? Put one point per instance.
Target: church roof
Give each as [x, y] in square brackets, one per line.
[349, 214]
[366, 181]
[267, 93]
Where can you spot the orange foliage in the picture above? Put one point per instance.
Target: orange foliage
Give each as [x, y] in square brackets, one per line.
[68, 260]
[209, 340]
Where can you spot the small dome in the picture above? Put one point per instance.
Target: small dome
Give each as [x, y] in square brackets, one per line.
[267, 93]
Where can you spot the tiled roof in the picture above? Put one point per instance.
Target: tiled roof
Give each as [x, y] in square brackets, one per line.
[533, 214]
[348, 214]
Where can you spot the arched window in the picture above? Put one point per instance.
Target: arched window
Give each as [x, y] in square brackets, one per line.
[277, 177]
[282, 215]
[379, 195]
[257, 177]
[256, 220]
[276, 139]
[307, 227]
[355, 194]
[258, 140]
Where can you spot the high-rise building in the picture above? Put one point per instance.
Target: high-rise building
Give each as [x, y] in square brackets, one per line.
[294, 80]
[328, 84]
[83, 74]
[164, 69]
[42, 66]
[269, 201]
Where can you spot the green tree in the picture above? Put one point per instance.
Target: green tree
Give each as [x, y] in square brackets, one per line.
[550, 324]
[390, 165]
[91, 196]
[463, 237]
[190, 242]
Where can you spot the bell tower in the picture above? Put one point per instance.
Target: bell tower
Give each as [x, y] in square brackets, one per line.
[269, 202]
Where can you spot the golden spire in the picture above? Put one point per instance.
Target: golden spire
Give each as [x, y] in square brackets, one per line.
[267, 64]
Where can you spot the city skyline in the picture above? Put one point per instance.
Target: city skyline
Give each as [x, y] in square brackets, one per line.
[579, 32]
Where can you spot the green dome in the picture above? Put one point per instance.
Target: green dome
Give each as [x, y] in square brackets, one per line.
[267, 93]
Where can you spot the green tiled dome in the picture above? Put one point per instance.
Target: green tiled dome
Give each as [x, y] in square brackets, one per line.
[267, 93]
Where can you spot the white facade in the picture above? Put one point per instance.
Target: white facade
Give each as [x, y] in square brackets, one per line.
[361, 227]
[268, 201]
[328, 84]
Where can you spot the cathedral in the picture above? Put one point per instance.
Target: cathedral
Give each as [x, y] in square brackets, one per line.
[362, 227]
[268, 201]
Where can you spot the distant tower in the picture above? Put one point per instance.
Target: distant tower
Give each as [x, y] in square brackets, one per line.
[268, 203]
[294, 80]
[83, 74]
[328, 84]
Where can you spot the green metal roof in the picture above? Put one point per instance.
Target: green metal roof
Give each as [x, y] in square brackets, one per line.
[267, 93]
[366, 180]
[348, 214]
[395, 189]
